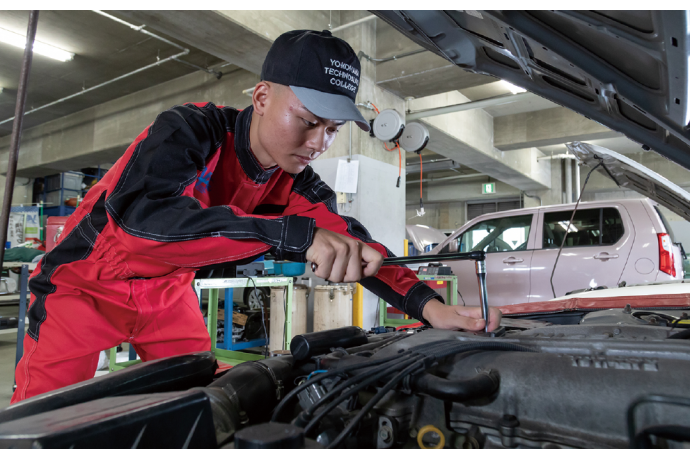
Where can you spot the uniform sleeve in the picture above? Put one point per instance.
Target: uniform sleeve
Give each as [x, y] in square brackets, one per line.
[397, 285]
[153, 206]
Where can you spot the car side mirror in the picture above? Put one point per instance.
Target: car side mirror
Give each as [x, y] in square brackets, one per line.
[453, 246]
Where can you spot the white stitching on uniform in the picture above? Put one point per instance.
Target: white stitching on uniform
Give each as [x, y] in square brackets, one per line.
[48, 278]
[409, 294]
[232, 257]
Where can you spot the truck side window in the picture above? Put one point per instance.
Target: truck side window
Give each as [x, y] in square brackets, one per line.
[497, 235]
[590, 227]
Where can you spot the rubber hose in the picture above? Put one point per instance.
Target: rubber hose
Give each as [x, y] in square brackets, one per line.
[254, 386]
[482, 385]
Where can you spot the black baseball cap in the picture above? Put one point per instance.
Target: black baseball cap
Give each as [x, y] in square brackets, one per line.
[322, 70]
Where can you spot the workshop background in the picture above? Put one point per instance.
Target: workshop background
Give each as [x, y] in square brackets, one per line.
[87, 105]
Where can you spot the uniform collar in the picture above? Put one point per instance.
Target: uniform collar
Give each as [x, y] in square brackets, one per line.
[251, 166]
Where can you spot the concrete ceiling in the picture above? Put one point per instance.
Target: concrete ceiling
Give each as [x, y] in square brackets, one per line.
[103, 50]
[618, 144]
[499, 88]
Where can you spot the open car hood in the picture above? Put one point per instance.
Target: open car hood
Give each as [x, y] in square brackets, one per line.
[632, 175]
[421, 236]
[627, 70]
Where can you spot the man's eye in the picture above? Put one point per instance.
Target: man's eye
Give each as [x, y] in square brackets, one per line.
[309, 123]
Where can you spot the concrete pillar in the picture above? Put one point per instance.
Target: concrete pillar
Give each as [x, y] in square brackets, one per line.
[378, 204]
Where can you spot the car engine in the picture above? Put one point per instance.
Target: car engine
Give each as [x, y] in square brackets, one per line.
[615, 380]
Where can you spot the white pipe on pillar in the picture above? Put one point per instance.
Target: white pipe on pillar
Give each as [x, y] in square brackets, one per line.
[577, 180]
[568, 181]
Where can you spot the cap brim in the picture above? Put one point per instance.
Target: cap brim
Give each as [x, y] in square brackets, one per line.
[330, 106]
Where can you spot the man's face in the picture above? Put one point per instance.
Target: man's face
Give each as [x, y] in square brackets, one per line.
[286, 131]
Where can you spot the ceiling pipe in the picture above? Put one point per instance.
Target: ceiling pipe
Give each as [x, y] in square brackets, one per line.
[171, 58]
[354, 23]
[480, 104]
[560, 156]
[138, 29]
[174, 57]
[141, 29]
[445, 179]
[364, 55]
[568, 181]
[433, 165]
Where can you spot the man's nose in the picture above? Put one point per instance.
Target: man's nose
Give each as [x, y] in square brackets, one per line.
[317, 141]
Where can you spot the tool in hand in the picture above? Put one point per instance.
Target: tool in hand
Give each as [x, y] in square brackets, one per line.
[478, 256]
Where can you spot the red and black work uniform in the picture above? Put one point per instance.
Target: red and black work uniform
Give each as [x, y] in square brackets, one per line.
[188, 193]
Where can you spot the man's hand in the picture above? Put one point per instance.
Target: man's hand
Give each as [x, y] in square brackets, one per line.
[341, 259]
[456, 317]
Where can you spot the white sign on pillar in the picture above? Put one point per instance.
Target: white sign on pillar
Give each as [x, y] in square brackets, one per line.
[346, 177]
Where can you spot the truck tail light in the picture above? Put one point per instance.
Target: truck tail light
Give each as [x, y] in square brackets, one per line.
[666, 261]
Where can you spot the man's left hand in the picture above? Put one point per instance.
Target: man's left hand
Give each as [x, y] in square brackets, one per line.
[456, 317]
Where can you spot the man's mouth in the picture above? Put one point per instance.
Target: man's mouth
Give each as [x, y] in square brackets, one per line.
[303, 160]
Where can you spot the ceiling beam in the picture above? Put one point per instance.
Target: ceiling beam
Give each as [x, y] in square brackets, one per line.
[546, 127]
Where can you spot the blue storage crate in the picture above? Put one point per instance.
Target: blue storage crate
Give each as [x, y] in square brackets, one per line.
[288, 268]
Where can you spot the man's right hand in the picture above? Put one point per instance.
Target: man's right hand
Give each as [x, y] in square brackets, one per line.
[341, 259]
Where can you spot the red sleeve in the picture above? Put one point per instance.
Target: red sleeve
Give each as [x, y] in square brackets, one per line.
[397, 285]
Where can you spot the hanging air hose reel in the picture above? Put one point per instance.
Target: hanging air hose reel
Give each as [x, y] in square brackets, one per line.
[388, 125]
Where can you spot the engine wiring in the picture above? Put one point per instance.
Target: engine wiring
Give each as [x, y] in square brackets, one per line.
[393, 369]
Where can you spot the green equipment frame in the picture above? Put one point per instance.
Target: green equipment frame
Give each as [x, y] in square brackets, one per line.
[452, 294]
[214, 285]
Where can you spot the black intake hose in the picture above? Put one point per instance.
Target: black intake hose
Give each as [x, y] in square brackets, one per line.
[482, 385]
[305, 346]
[247, 392]
[256, 387]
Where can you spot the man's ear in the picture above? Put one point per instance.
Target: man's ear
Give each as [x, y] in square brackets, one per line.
[260, 97]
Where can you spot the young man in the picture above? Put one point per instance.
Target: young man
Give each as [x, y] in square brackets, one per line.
[202, 186]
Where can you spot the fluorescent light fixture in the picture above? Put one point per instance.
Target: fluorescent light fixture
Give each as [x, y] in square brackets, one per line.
[512, 88]
[43, 49]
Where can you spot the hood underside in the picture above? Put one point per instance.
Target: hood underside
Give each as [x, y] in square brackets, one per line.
[634, 176]
[627, 70]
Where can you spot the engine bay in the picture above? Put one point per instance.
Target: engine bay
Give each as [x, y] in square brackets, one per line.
[615, 380]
